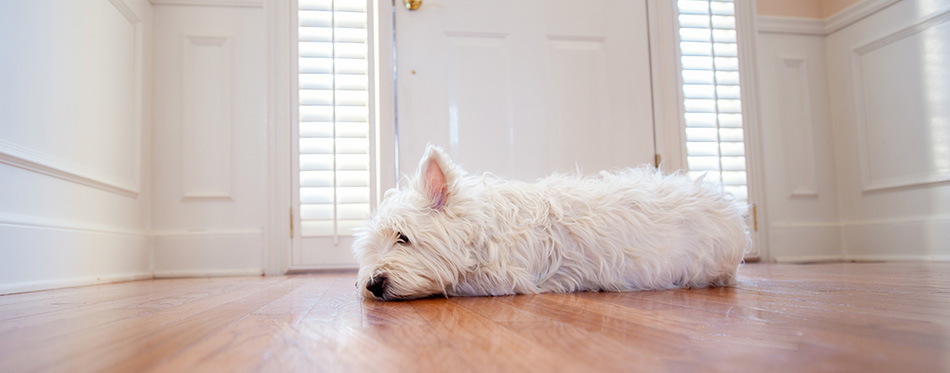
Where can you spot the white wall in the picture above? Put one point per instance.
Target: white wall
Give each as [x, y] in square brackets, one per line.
[862, 97]
[209, 135]
[74, 145]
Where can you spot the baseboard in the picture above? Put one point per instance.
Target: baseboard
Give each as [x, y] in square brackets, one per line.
[809, 258]
[899, 239]
[39, 255]
[912, 238]
[898, 258]
[212, 253]
[209, 273]
[24, 287]
[804, 241]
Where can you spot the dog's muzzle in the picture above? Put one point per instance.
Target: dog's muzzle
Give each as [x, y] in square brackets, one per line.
[377, 285]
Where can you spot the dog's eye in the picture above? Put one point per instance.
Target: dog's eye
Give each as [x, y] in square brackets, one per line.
[402, 240]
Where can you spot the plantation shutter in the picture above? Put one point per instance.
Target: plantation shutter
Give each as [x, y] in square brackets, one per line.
[333, 116]
[711, 98]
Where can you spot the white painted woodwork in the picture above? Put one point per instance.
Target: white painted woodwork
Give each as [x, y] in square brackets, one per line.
[209, 139]
[903, 120]
[72, 100]
[800, 178]
[521, 89]
[892, 207]
[74, 142]
[797, 127]
[225, 252]
[871, 84]
[207, 117]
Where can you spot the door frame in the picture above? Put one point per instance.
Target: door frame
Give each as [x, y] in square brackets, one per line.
[668, 101]
[276, 254]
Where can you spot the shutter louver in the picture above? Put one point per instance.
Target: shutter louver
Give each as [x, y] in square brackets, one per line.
[333, 116]
[711, 97]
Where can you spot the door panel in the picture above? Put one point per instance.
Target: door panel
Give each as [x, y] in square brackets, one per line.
[525, 88]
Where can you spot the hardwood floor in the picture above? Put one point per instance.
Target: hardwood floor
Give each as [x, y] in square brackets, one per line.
[820, 317]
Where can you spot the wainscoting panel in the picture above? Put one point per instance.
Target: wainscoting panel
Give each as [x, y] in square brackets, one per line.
[903, 119]
[207, 123]
[797, 123]
[72, 100]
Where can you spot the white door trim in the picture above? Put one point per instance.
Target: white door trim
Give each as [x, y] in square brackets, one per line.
[277, 238]
[276, 251]
[667, 101]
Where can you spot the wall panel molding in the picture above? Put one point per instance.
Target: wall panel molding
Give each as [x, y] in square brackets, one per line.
[791, 25]
[822, 27]
[869, 181]
[797, 127]
[129, 184]
[855, 13]
[207, 117]
[50, 165]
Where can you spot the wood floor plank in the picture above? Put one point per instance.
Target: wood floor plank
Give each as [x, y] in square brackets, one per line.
[822, 317]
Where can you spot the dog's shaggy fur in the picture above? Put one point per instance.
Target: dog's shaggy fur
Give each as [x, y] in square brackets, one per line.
[448, 233]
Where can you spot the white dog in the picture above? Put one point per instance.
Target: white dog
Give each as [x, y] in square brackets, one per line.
[456, 235]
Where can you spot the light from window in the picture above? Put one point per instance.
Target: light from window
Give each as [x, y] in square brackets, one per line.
[333, 116]
[711, 99]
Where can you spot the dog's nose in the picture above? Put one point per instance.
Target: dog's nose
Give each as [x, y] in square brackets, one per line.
[377, 285]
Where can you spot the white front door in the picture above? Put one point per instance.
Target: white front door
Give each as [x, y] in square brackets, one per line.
[517, 88]
[525, 88]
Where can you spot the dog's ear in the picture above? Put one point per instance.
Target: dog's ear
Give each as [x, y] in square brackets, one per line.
[436, 187]
[436, 176]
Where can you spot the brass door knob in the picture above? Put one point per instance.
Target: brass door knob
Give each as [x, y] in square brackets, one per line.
[412, 4]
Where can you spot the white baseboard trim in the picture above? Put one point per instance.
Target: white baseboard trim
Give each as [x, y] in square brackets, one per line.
[822, 27]
[910, 238]
[205, 233]
[234, 252]
[809, 259]
[862, 258]
[804, 241]
[318, 268]
[898, 258]
[209, 273]
[39, 255]
[24, 287]
[898, 239]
